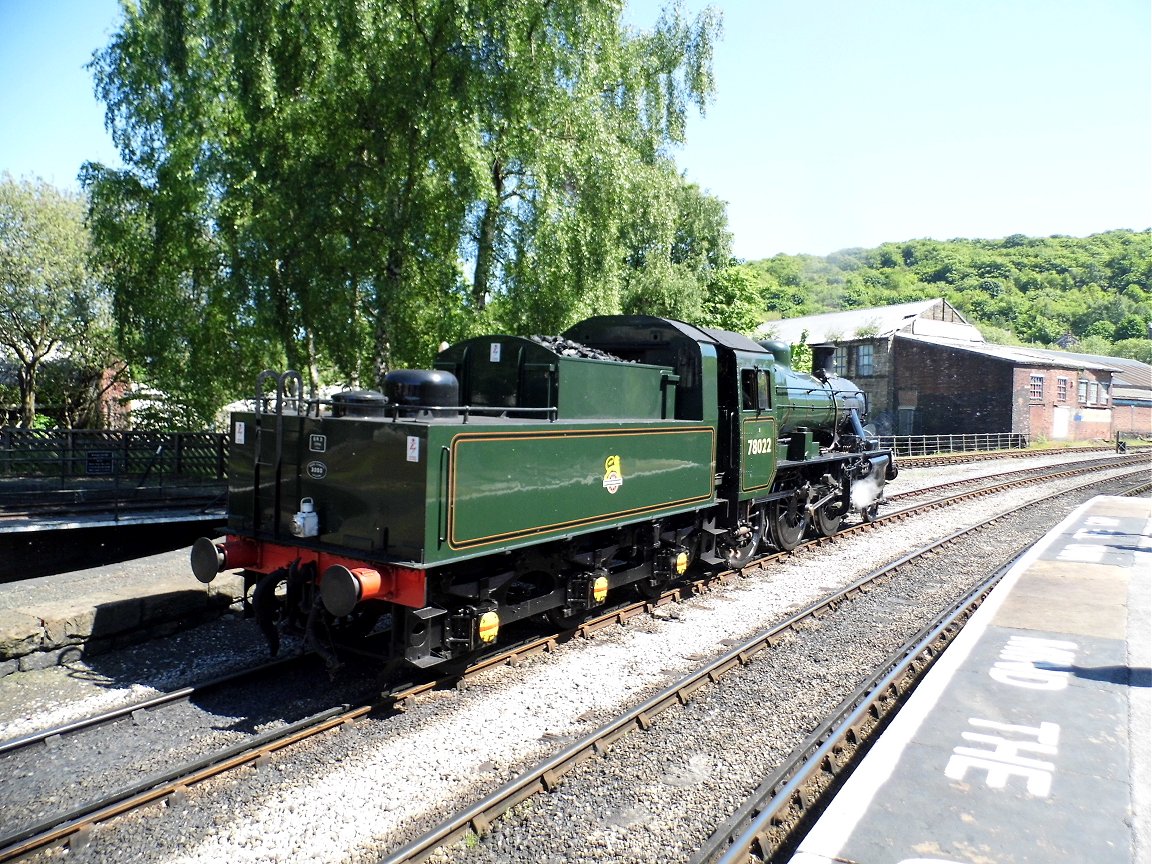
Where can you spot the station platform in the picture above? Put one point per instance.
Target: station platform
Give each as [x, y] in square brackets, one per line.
[92, 610]
[34, 523]
[1028, 740]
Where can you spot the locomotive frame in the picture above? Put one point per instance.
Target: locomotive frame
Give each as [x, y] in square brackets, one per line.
[519, 478]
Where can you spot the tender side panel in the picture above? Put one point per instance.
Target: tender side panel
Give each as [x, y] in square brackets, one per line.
[509, 486]
[366, 479]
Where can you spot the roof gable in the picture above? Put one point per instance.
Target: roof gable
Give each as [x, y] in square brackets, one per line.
[928, 317]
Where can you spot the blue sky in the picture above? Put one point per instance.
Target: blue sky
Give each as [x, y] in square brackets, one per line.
[837, 123]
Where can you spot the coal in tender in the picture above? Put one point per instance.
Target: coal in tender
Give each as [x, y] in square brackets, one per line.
[568, 348]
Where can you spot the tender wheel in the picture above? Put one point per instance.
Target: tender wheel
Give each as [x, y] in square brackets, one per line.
[739, 546]
[871, 514]
[651, 589]
[362, 621]
[828, 519]
[560, 621]
[789, 521]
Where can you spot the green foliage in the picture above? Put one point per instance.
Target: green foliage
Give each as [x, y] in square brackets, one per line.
[1131, 327]
[1103, 329]
[1133, 349]
[340, 185]
[675, 255]
[999, 335]
[51, 304]
[731, 302]
[1094, 345]
[1017, 290]
[802, 354]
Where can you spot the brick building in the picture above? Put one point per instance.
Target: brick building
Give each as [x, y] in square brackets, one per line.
[942, 387]
[1131, 393]
[927, 371]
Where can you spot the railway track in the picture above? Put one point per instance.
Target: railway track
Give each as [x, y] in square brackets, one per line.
[75, 826]
[771, 821]
[790, 796]
[938, 459]
[136, 710]
[1037, 471]
[1008, 479]
[35, 754]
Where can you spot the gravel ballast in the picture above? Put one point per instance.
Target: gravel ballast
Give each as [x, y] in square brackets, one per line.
[355, 795]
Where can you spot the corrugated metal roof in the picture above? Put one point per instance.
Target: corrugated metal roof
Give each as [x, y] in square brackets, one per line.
[1021, 356]
[879, 321]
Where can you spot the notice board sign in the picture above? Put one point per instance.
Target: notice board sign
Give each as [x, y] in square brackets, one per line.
[98, 462]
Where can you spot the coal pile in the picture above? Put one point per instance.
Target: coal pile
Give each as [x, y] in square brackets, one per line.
[568, 348]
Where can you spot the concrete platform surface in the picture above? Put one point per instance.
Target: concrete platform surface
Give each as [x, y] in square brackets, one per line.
[104, 607]
[33, 523]
[1028, 741]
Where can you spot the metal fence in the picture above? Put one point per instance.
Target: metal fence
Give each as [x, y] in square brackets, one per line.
[922, 445]
[144, 458]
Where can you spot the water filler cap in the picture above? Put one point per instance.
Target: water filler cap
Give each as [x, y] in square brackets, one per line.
[306, 505]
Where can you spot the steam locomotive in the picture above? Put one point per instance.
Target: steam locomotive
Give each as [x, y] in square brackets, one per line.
[524, 477]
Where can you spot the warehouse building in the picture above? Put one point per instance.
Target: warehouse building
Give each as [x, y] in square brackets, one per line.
[928, 371]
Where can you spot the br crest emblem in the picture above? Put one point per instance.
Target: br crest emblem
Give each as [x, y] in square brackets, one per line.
[613, 476]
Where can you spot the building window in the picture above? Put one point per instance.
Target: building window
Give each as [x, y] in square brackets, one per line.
[1061, 389]
[1103, 393]
[1036, 388]
[1093, 392]
[840, 361]
[1082, 392]
[864, 360]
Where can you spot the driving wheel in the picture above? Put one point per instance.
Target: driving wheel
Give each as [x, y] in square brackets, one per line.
[789, 521]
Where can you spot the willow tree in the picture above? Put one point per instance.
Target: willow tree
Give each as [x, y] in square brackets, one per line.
[576, 151]
[309, 182]
[284, 170]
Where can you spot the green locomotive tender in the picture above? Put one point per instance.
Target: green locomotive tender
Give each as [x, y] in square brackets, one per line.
[522, 477]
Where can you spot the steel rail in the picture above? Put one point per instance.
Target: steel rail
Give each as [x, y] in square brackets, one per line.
[546, 775]
[785, 801]
[999, 487]
[824, 754]
[962, 457]
[1040, 473]
[77, 823]
[180, 695]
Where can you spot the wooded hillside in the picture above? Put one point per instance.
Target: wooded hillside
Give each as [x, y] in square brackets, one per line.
[1091, 294]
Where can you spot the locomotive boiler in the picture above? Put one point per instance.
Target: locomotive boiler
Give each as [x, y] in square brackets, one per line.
[524, 477]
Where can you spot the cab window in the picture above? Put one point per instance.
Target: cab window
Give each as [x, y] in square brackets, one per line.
[754, 389]
[748, 389]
